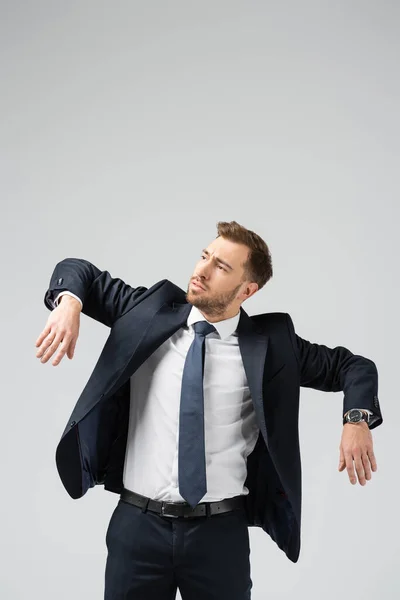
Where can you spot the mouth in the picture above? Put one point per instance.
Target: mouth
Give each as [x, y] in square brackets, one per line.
[197, 286]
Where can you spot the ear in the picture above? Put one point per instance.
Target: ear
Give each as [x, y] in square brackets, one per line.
[250, 290]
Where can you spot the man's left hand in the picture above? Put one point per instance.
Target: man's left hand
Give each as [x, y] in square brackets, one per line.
[356, 445]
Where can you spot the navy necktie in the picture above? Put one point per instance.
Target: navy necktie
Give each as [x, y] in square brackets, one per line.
[191, 454]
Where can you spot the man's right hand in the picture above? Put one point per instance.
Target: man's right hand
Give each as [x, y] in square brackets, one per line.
[62, 327]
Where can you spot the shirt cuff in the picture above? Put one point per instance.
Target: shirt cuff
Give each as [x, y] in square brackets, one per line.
[56, 301]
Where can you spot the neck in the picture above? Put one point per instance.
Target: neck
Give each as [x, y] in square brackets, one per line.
[213, 318]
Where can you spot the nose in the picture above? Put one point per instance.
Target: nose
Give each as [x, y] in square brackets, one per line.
[202, 269]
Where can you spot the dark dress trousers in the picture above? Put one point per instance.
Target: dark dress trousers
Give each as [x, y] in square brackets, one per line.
[276, 361]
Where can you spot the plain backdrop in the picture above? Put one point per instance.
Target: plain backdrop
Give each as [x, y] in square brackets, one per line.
[128, 129]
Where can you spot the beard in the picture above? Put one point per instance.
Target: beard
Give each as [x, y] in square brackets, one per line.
[213, 305]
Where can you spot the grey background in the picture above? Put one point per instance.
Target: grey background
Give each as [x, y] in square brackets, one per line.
[127, 131]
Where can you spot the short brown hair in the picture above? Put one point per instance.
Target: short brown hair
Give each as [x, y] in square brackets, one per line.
[258, 267]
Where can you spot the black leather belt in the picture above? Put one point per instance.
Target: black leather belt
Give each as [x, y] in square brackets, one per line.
[183, 509]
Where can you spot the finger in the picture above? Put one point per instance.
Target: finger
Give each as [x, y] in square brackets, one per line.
[61, 353]
[71, 350]
[367, 468]
[52, 348]
[359, 467]
[342, 462]
[45, 344]
[350, 468]
[372, 459]
[44, 333]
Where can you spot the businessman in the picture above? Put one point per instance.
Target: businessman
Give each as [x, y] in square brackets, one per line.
[191, 416]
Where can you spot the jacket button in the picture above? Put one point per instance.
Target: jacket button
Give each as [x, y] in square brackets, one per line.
[72, 423]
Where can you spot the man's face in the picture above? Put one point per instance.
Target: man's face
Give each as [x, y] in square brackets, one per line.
[219, 272]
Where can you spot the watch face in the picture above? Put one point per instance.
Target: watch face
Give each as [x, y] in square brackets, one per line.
[355, 415]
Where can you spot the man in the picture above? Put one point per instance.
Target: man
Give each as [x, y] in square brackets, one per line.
[191, 415]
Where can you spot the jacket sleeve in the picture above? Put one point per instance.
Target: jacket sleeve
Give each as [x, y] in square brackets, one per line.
[104, 298]
[337, 369]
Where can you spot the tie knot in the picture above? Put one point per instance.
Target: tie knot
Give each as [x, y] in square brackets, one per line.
[203, 328]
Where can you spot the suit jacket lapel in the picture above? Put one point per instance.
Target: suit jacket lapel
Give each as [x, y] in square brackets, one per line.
[131, 341]
[253, 346]
[164, 323]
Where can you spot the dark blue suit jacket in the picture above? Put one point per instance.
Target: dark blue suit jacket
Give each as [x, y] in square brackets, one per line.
[276, 361]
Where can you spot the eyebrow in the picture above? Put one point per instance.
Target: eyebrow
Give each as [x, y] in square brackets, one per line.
[218, 259]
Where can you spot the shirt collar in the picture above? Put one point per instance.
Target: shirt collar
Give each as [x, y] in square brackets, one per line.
[224, 328]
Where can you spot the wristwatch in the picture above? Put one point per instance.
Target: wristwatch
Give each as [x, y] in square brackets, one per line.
[355, 415]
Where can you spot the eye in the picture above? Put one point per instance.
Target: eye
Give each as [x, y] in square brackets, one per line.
[218, 266]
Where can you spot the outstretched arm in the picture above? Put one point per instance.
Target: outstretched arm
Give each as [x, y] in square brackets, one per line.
[338, 369]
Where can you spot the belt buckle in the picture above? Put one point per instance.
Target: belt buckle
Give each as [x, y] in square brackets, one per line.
[164, 513]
